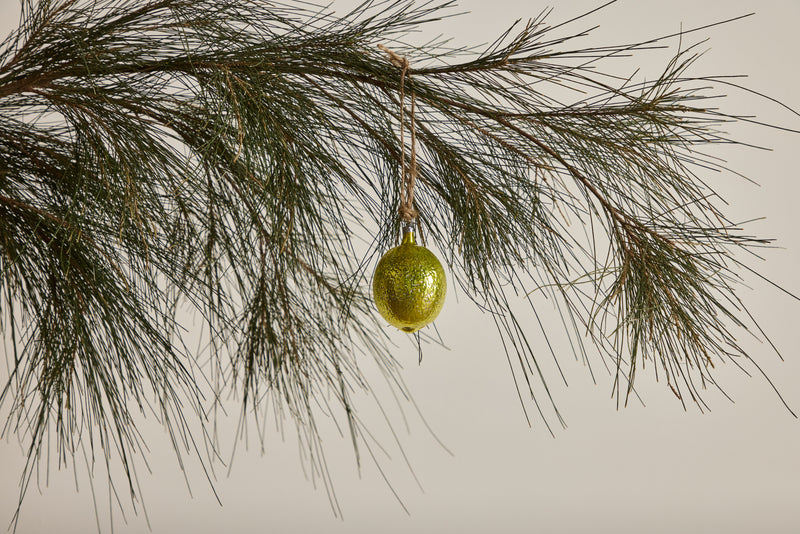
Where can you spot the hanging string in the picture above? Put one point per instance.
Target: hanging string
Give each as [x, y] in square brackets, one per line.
[408, 171]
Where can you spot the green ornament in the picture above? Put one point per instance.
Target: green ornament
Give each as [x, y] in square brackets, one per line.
[409, 285]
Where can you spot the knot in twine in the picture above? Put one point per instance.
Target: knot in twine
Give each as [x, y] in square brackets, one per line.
[407, 213]
[408, 171]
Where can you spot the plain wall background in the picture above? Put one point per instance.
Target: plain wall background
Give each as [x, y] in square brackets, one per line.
[640, 469]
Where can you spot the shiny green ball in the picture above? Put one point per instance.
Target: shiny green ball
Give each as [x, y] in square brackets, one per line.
[409, 285]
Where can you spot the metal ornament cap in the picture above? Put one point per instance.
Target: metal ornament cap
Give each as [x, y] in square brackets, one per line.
[409, 285]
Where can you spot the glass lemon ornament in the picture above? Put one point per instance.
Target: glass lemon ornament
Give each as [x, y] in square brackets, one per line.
[409, 285]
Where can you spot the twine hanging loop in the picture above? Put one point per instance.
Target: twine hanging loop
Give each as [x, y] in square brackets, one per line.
[408, 213]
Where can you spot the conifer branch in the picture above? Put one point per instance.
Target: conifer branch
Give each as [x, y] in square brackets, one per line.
[221, 157]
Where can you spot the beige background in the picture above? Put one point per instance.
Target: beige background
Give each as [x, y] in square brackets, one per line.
[654, 469]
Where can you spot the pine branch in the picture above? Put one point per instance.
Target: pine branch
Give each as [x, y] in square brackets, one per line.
[223, 156]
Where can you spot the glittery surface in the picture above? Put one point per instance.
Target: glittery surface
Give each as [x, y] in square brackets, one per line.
[409, 286]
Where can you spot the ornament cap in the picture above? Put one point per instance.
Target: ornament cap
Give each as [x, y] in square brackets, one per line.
[408, 233]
